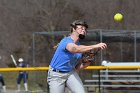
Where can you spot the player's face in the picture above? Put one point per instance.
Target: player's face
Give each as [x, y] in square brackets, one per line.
[81, 29]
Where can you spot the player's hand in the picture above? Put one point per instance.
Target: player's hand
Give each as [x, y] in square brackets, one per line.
[101, 45]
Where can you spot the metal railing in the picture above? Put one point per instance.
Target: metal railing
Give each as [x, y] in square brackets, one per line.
[88, 68]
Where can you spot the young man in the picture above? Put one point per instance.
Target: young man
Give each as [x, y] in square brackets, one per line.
[67, 60]
[23, 75]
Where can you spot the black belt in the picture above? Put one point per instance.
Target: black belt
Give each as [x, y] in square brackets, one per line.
[55, 70]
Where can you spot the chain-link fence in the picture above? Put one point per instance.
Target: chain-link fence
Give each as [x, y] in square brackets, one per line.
[123, 46]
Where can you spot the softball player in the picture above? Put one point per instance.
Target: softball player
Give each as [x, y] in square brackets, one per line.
[23, 75]
[67, 60]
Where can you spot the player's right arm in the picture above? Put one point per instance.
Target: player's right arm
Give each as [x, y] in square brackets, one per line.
[72, 47]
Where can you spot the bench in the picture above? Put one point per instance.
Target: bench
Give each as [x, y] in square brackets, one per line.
[107, 79]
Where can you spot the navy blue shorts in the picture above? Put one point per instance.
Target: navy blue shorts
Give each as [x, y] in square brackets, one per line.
[22, 76]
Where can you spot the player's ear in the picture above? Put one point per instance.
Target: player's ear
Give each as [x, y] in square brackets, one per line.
[72, 29]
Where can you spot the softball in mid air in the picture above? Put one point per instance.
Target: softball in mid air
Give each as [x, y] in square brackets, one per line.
[118, 17]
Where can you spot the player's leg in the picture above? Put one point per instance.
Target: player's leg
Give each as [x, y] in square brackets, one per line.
[18, 81]
[56, 87]
[25, 81]
[74, 83]
[56, 81]
[19, 78]
[3, 83]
